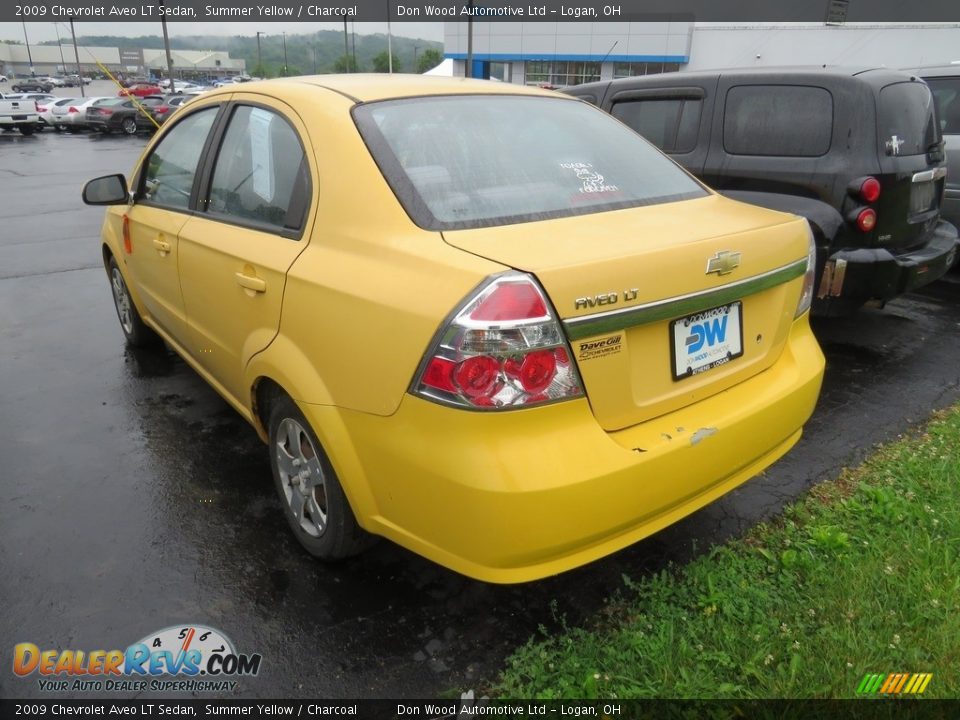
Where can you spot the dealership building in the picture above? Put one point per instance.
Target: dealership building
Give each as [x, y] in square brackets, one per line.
[15, 60]
[558, 53]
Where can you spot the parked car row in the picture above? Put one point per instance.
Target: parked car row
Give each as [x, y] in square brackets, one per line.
[129, 115]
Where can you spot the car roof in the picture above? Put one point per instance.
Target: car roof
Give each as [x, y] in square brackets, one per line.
[361, 87]
[951, 70]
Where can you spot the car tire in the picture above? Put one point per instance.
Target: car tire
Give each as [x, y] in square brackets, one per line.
[134, 329]
[26, 129]
[313, 500]
[129, 126]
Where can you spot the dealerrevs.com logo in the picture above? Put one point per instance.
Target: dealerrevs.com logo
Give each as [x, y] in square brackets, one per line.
[176, 659]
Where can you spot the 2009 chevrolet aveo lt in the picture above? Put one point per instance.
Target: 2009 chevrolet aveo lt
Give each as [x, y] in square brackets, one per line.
[488, 322]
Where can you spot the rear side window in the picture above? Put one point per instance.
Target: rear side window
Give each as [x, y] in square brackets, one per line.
[260, 171]
[786, 120]
[906, 118]
[467, 161]
[670, 124]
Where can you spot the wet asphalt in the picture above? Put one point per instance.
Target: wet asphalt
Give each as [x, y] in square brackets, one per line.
[133, 498]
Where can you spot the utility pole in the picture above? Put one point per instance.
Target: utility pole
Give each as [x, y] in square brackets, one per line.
[259, 57]
[284, 54]
[29, 55]
[346, 46]
[76, 54]
[63, 63]
[314, 59]
[389, 46]
[353, 29]
[166, 48]
[415, 49]
[469, 70]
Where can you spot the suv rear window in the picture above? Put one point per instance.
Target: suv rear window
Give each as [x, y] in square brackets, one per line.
[905, 115]
[467, 161]
[781, 120]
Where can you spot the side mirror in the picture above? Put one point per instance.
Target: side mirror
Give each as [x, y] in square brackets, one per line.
[106, 190]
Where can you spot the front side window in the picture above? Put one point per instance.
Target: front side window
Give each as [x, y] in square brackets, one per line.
[172, 165]
[669, 123]
[472, 161]
[785, 120]
[260, 171]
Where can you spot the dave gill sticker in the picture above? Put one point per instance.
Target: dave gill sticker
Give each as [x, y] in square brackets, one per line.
[598, 348]
[179, 658]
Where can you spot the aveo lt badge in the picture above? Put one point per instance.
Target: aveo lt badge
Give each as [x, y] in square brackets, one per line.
[723, 263]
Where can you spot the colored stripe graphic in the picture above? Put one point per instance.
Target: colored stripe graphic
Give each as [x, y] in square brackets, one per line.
[894, 683]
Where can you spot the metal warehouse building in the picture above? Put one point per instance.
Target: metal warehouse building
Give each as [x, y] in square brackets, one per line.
[547, 53]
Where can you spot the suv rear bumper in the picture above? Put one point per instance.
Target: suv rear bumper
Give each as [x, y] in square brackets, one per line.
[878, 274]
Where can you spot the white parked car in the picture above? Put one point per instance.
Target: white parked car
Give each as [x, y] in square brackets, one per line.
[3, 78]
[49, 110]
[75, 118]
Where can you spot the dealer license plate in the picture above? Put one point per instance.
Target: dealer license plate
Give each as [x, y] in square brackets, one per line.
[706, 339]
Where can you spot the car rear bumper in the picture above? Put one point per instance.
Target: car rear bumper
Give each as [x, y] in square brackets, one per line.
[516, 496]
[879, 274]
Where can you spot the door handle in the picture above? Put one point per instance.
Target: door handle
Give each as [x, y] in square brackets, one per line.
[251, 283]
[161, 245]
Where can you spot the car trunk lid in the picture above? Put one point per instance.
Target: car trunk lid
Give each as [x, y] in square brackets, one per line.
[666, 304]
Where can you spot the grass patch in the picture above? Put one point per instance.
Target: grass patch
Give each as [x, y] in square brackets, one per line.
[861, 575]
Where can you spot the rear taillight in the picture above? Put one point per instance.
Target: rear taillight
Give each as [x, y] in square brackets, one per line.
[36, 106]
[866, 219]
[161, 109]
[106, 111]
[72, 109]
[806, 294]
[41, 108]
[870, 190]
[503, 349]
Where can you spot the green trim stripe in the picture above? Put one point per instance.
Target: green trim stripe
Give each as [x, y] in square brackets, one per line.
[599, 323]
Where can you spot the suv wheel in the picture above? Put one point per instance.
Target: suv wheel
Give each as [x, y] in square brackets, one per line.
[313, 501]
[26, 129]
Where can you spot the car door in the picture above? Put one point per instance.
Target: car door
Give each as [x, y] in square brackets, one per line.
[234, 256]
[161, 207]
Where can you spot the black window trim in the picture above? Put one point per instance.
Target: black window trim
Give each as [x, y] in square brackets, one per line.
[300, 200]
[633, 96]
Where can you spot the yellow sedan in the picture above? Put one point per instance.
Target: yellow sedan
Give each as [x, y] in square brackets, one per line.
[487, 322]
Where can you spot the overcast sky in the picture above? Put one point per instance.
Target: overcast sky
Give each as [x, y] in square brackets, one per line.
[40, 31]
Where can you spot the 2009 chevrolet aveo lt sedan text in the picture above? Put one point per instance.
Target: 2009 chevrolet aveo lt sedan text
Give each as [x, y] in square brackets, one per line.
[487, 322]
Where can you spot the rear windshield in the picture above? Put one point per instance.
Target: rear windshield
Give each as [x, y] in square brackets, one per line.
[907, 125]
[469, 161]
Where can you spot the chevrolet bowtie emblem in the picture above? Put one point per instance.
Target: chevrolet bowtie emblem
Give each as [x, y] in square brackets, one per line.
[723, 263]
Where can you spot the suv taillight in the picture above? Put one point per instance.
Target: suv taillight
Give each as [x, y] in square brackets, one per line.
[870, 190]
[503, 349]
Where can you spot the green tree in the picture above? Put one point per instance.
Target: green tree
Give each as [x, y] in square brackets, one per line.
[381, 63]
[428, 60]
[345, 64]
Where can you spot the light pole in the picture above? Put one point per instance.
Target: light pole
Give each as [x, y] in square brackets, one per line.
[284, 54]
[63, 63]
[346, 47]
[389, 48]
[29, 55]
[166, 48]
[415, 49]
[259, 57]
[76, 54]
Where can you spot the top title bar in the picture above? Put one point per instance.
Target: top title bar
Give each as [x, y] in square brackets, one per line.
[828, 11]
